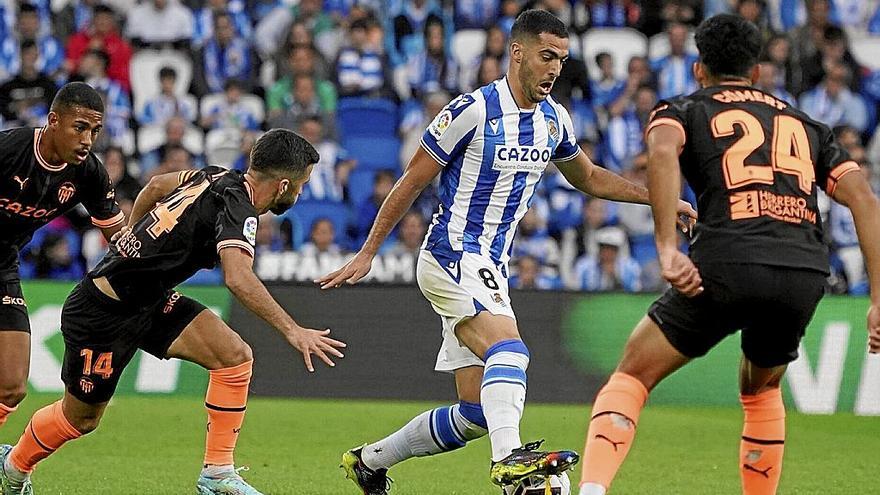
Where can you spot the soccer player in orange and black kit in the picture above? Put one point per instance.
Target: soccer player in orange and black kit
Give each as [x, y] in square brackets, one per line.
[757, 260]
[180, 222]
[44, 173]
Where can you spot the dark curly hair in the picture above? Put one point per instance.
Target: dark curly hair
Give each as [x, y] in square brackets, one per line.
[531, 23]
[729, 45]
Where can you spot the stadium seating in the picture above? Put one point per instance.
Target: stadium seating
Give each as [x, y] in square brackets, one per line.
[621, 43]
[467, 45]
[153, 136]
[374, 153]
[307, 212]
[144, 70]
[658, 45]
[366, 117]
[251, 102]
[222, 147]
[360, 185]
[866, 51]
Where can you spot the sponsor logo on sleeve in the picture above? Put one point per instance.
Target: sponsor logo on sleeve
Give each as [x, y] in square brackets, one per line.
[440, 124]
[250, 230]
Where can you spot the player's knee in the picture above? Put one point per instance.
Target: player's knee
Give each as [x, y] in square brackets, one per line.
[240, 353]
[12, 394]
[86, 423]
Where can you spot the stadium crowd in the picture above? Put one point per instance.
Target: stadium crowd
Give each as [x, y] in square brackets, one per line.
[195, 82]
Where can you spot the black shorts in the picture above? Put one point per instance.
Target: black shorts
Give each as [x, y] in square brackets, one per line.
[771, 305]
[13, 308]
[101, 336]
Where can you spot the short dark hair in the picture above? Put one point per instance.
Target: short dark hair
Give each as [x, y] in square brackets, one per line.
[600, 56]
[27, 45]
[283, 152]
[167, 72]
[834, 33]
[729, 45]
[103, 9]
[531, 23]
[27, 8]
[77, 94]
[101, 55]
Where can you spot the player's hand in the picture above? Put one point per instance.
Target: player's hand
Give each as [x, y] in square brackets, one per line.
[120, 234]
[874, 329]
[317, 342]
[681, 272]
[350, 273]
[687, 216]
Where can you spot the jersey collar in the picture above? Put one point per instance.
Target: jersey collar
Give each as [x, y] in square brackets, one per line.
[38, 135]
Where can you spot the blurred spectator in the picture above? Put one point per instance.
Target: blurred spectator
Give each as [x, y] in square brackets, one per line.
[564, 202]
[573, 82]
[414, 127]
[269, 236]
[175, 130]
[159, 23]
[778, 53]
[475, 14]
[597, 213]
[845, 242]
[410, 235]
[623, 137]
[807, 38]
[300, 103]
[510, 9]
[611, 269]
[833, 51]
[656, 14]
[72, 17]
[755, 11]
[408, 25]
[158, 109]
[786, 15]
[675, 71]
[306, 58]
[229, 112]
[854, 15]
[638, 223]
[768, 82]
[203, 20]
[433, 68]
[330, 175]
[532, 239]
[55, 259]
[224, 56]
[530, 276]
[25, 99]
[590, 14]
[116, 163]
[102, 33]
[272, 29]
[832, 102]
[117, 107]
[368, 210]
[50, 52]
[488, 71]
[321, 239]
[300, 60]
[362, 69]
[607, 88]
[175, 159]
[559, 8]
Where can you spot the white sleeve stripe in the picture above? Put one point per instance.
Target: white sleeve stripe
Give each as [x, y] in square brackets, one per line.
[434, 155]
[570, 157]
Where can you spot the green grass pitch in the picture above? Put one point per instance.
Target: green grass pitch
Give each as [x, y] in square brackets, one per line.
[153, 445]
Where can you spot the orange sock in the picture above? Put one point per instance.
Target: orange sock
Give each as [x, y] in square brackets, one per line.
[612, 428]
[763, 441]
[5, 411]
[47, 431]
[226, 402]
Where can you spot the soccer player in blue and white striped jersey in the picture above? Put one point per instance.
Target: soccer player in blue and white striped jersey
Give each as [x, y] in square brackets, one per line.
[490, 148]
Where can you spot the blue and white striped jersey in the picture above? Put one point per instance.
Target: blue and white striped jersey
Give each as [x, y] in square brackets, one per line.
[493, 154]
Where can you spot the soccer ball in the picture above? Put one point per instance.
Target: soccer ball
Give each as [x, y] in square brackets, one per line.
[534, 485]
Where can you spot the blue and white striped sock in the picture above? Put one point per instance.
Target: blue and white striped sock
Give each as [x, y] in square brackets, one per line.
[503, 394]
[432, 432]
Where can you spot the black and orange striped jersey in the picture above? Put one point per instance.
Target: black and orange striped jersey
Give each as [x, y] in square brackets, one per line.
[33, 191]
[754, 163]
[212, 209]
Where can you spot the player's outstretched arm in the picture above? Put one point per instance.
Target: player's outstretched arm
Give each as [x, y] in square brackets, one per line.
[418, 174]
[854, 192]
[239, 276]
[158, 187]
[664, 184]
[596, 181]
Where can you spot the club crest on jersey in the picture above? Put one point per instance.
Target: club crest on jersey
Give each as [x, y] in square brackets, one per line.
[552, 130]
[65, 192]
[250, 230]
[440, 124]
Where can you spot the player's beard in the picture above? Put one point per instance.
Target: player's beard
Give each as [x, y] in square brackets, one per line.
[283, 203]
[528, 81]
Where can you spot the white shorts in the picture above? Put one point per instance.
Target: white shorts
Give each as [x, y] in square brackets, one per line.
[480, 286]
